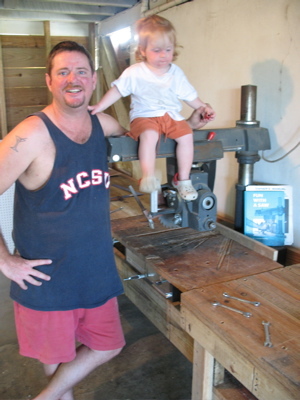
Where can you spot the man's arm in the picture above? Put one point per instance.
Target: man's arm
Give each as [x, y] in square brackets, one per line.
[110, 126]
[20, 270]
[18, 150]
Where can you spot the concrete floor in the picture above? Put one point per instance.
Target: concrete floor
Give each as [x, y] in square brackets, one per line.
[149, 367]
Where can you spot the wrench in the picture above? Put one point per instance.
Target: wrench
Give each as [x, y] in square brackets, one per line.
[255, 303]
[245, 314]
[267, 342]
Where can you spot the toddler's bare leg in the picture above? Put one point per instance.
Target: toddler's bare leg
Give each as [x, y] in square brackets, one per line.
[147, 152]
[147, 156]
[185, 155]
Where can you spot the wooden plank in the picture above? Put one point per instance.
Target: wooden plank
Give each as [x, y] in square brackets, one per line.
[256, 379]
[16, 114]
[24, 77]
[230, 391]
[47, 50]
[224, 352]
[84, 40]
[280, 288]
[38, 41]
[19, 41]
[202, 374]
[94, 50]
[189, 259]
[251, 244]
[292, 255]
[177, 336]
[157, 309]
[111, 72]
[29, 96]
[23, 57]
[142, 295]
[237, 342]
[3, 117]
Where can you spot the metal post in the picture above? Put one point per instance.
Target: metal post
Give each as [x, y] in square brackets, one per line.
[246, 159]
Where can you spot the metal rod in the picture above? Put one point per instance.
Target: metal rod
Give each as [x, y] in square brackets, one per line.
[248, 106]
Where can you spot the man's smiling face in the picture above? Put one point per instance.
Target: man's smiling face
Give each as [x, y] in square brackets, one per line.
[72, 81]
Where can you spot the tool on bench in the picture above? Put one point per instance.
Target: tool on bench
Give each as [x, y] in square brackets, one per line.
[147, 214]
[122, 197]
[255, 303]
[117, 209]
[245, 314]
[125, 189]
[267, 342]
[142, 276]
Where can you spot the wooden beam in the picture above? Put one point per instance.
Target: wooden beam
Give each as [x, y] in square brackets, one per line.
[202, 373]
[111, 72]
[94, 50]
[47, 35]
[81, 11]
[51, 16]
[2, 97]
[116, 3]
[246, 241]
[293, 255]
[60, 7]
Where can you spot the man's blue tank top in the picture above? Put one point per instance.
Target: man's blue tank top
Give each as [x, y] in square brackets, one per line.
[68, 221]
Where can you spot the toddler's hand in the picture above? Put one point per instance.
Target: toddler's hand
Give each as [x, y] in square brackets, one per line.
[95, 109]
[208, 114]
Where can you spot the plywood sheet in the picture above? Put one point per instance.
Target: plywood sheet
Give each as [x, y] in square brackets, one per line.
[189, 259]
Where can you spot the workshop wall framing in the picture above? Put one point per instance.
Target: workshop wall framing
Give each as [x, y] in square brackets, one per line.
[22, 76]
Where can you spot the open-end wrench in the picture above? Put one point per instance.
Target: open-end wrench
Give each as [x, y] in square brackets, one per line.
[267, 342]
[245, 314]
[255, 303]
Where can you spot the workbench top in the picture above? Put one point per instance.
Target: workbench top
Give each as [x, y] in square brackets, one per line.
[237, 342]
[186, 258]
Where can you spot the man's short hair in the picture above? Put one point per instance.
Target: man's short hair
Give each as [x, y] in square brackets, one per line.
[67, 45]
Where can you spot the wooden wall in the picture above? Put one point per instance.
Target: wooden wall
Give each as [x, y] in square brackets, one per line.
[22, 76]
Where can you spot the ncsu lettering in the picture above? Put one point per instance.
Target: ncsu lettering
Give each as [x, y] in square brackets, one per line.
[84, 180]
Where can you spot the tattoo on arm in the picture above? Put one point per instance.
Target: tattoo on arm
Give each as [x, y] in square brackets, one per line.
[18, 140]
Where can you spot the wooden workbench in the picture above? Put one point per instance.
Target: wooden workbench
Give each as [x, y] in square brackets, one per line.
[195, 264]
[237, 343]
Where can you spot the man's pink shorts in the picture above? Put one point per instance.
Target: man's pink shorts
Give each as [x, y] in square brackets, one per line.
[163, 125]
[50, 336]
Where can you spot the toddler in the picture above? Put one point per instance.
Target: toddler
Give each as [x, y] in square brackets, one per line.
[156, 86]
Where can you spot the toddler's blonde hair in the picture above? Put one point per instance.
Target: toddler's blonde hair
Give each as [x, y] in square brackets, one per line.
[151, 27]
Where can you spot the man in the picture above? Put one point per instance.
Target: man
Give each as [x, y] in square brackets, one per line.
[65, 272]
[64, 278]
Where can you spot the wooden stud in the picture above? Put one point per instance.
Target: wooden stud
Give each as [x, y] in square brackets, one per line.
[111, 72]
[2, 97]
[47, 35]
[202, 387]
